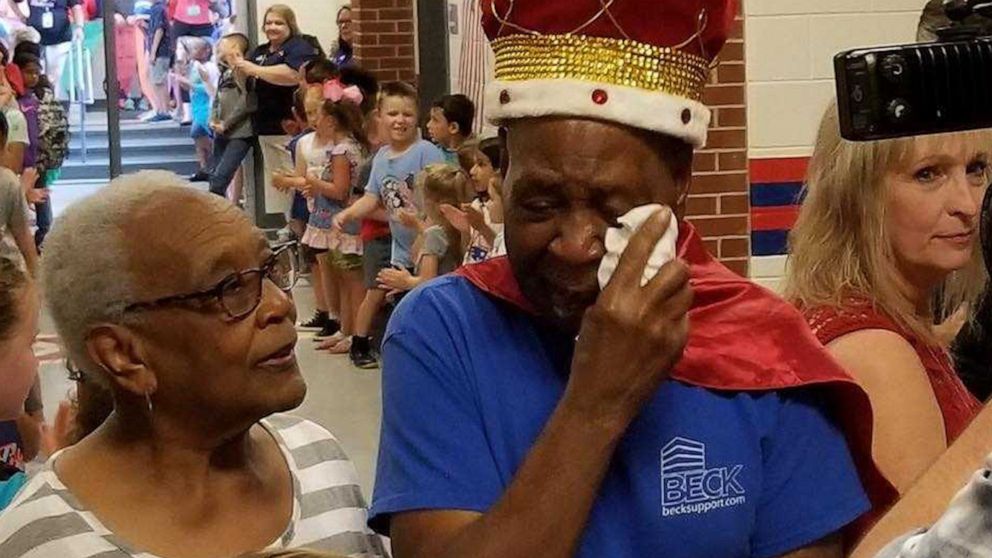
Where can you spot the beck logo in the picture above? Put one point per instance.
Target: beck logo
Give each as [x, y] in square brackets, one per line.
[688, 487]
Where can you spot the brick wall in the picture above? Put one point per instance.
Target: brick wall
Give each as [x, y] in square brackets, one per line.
[385, 38]
[718, 201]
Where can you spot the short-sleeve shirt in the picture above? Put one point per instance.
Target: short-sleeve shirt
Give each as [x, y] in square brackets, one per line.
[157, 20]
[352, 152]
[371, 229]
[469, 383]
[55, 13]
[11, 450]
[13, 206]
[193, 12]
[435, 243]
[17, 125]
[29, 109]
[329, 513]
[275, 102]
[392, 182]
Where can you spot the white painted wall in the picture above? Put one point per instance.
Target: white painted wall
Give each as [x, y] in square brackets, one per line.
[789, 52]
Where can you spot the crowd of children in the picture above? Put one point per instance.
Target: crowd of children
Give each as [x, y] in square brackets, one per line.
[377, 209]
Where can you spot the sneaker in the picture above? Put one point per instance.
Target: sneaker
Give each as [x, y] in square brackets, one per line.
[330, 328]
[316, 323]
[128, 105]
[160, 117]
[361, 353]
[147, 116]
[199, 176]
[284, 235]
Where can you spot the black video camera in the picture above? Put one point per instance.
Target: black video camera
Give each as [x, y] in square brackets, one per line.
[924, 88]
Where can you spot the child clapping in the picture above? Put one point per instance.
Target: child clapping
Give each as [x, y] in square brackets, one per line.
[438, 246]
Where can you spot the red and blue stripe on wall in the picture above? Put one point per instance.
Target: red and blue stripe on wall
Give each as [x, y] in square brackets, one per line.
[776, 190]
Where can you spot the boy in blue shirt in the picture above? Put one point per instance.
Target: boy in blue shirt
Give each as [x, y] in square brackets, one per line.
[534, 408]
[391, 187]
[450, 124]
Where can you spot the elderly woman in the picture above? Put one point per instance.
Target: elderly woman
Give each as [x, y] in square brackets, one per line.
[170, 299]
[886, 228]
[276, 65]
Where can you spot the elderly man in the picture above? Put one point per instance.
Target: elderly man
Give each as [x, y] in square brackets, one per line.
[173, 301]
[527, 412]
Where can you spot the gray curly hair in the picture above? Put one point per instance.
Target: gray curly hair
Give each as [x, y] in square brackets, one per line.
[84, 273]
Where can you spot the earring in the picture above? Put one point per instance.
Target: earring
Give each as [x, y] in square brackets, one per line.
[148, 399]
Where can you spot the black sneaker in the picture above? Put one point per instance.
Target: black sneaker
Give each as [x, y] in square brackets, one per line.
[199, 176]
[316, 323]
[330, 328]
[361, 353]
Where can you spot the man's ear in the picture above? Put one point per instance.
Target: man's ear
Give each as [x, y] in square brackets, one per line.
[117, 351]
[504, 153]
[683, 185]
[454, 128]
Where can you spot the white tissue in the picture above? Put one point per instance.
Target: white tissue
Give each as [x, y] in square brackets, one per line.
[618, 237]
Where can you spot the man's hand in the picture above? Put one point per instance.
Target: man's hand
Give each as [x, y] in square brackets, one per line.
[37, 195]
[217, 127]
[633, 336]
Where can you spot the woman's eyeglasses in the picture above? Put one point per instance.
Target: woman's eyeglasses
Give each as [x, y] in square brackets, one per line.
[239, 294]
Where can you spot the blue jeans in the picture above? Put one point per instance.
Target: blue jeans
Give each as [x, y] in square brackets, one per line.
[43, 221]
[228, 155]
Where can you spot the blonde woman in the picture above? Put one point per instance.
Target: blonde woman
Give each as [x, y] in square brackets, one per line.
[886, 227]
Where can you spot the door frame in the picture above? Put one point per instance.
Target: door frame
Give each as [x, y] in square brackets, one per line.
[111, 86]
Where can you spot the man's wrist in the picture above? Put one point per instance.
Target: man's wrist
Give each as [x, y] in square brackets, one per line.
[592, 418]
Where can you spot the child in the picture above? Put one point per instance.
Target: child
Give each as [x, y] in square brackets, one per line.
[325, 320]
[14, 213]
[439, 243]
[335, 191]
[393, 171]
[53, 122]
[18, 329]
[158, 48]
[29, 106]
[230, 118]
[202, 85]
[482, 220]
[450, 124]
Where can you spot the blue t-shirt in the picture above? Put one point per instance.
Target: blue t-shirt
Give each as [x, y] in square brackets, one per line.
[469, 383]
[392, 182]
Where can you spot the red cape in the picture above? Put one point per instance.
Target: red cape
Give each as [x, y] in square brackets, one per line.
[742, 338]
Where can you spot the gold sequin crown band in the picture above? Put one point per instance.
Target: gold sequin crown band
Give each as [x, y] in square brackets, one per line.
[595, 59]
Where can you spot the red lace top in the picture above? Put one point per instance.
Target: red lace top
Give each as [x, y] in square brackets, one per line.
[957, 405]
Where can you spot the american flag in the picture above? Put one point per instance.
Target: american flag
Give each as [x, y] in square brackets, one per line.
[474, 60]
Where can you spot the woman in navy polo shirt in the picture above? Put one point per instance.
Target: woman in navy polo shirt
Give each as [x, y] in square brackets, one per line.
[275, 65]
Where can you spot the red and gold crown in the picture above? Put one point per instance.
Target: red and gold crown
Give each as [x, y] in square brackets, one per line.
[641, 63]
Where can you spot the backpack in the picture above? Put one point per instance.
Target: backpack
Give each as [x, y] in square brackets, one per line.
[53, 135]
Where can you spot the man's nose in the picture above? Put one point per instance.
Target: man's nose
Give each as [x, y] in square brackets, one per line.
[580, 238]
